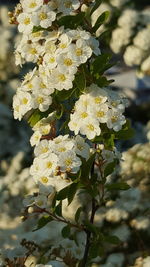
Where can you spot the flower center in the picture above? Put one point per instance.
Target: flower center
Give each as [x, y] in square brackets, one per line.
[100, 114]
[114, 119]
[79, 52]
[24, 101]
[84, 115]
[68, 162]
[40, 100]
[27, 21]
[44, 180]
[49, 165]
[42, 16]
[33, 51]
[62, 77]
[32, 5]
[98, 100]
[68, 62]
[90, 127]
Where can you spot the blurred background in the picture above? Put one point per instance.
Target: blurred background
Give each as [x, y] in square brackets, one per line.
[126, 35]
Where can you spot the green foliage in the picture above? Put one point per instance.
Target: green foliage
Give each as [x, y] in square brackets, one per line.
[127, 132]
[66, 231]
[97, 4]
[42, 222]
[110, 168]
[68, 192]
[72, 22]
[78, 212]
[101, 20]
[117, 186]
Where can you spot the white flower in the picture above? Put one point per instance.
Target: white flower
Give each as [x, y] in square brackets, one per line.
[115, 120]
[67, 6]
[31, 5]
[41, 201]
[82, 148]
[35, 138]
[101, 113]
[94, 45]
[44, 17]
[66, 63]
[41, 101]
[22, 103]
[69, 162]
[49, 164]
[42, 149]
[25, 23]
[80, 51]
[90, 128]
[49, 60]
[61, 80]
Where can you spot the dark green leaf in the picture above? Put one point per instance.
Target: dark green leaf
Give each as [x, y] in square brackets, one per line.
[126, 132]
[72, 191]
[72, 22]
[78, 212]
[100, 65]
[80, 81]
[112, 239]
[110, 168]
[37, 29]
[43, 221]
[62, 194]
[87, 167]
[101, 20]
[118, 186]
[60, 112]
[66, 231]
[64, 94]
[97, 4]
[58, 209]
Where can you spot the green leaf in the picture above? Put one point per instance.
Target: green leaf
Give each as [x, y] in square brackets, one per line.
[66, 231]
[64, 94]
[37, 29]
[91, 227]
[112, 239]
[117, 186]
[101, 20]
[102, 81]
[71, 192]
[60, 112]
[100, 65]
[63, 194]
[80, 81]
[97, 4]
[127, 132]
[78, 212]
[58, 209]
[42, 222]
[72, 22]
[108, 139]
[87, 167]
[110, 168]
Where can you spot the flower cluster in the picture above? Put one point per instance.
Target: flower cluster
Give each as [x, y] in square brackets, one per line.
[59, 53]
[95, 107]
[54, 158]
[132, 37]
